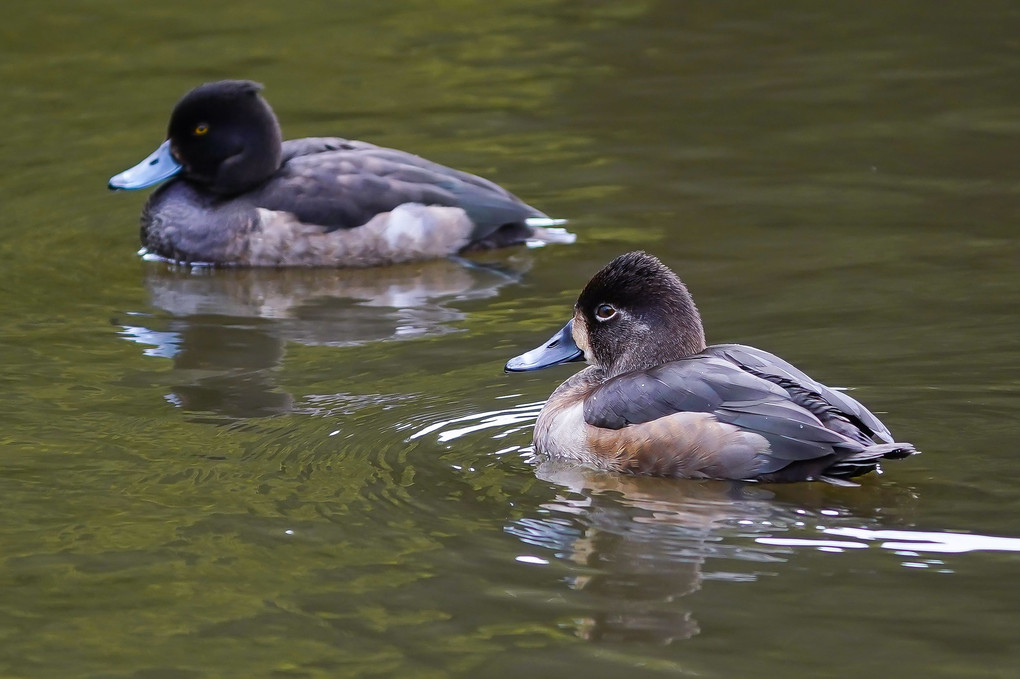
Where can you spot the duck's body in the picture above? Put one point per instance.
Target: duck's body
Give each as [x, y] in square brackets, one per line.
[244, 198]
[658, 401]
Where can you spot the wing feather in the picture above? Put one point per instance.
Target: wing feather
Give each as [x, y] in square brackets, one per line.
[813, 395]
[730, 394]
[342, 184]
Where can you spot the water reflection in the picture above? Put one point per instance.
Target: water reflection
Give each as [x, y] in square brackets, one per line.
[219, 365]
[637, 548]
[641, 545]
[226, 331]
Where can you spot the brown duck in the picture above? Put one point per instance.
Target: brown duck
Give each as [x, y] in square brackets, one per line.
[655, 400]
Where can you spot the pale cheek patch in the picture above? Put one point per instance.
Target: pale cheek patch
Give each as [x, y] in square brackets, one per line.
[580, 335]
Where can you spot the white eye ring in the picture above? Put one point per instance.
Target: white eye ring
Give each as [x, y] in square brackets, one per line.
[604, 312]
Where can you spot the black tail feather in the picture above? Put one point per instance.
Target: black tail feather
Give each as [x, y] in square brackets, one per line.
[867, 460]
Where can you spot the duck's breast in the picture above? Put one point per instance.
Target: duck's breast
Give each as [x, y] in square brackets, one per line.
[676, 444]
[185, 224]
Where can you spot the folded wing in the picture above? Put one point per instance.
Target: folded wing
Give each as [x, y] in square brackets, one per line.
[342, 184]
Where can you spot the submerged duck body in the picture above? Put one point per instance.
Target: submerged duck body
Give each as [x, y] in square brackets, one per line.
[240, 196]
[655, 400]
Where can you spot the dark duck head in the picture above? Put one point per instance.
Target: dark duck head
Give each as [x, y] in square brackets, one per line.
[633, 314]
[222, 136]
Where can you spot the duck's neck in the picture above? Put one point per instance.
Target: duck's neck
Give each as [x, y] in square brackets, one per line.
[247, 170]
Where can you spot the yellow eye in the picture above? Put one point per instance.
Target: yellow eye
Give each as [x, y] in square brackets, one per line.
[201, 129]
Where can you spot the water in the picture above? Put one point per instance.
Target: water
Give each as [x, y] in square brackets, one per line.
[322, 474]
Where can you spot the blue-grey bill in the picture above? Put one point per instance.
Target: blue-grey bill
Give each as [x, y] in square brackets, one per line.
[559, 349]
[158, 166]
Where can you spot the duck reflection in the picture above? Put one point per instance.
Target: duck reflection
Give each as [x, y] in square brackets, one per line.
[226, 330]
[642, 544]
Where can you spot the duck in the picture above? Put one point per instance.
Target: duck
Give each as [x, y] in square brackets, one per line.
[240, 196]
[655, 400]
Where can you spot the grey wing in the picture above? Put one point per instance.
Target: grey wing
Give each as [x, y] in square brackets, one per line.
[340, 184]
[802, 388]
[732, 395]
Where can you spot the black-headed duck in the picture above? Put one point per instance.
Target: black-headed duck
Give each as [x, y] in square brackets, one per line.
[655, 400]
[242, 197]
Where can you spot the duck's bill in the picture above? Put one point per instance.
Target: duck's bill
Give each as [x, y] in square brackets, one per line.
[158, 166]
[559, 349]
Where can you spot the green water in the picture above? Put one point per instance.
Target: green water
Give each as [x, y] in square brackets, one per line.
[327, 474]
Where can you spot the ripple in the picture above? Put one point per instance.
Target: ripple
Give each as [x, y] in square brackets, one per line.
[507, 421]
[905, 541]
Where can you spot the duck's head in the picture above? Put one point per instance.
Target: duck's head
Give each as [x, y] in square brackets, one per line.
[222, 136]
[635, 313]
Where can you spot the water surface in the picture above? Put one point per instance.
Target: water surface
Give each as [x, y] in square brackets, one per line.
[322, 474]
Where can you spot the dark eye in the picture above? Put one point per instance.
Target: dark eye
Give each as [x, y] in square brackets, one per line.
[201, 129]
[605, 311]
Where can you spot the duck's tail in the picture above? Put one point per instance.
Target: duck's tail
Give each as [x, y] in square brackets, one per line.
[867, 460]
[544, 221]
[545, 230]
